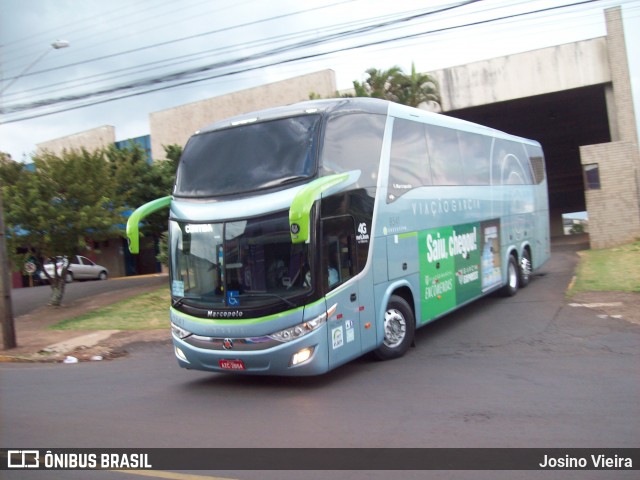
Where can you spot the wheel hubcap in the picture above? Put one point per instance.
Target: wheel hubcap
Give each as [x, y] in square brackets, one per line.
[525, 265]
[395, 328]
[513, 276]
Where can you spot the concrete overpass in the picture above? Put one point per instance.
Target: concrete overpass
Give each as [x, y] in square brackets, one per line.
[575, 99]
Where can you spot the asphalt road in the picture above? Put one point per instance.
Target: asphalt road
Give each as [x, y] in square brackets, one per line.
[526, 371]
[24, 300]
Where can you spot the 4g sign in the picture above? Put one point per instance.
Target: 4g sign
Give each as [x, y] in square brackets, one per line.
[363, 233]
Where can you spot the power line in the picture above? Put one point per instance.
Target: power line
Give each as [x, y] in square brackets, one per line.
[177, 81]
[190, 57]
[188, 37]
[112, 17]
[176, 76]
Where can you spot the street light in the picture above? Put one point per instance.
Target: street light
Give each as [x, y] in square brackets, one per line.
[57, 45]
[6, 309]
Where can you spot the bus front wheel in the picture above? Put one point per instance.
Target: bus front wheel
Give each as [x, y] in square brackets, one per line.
[399, 328]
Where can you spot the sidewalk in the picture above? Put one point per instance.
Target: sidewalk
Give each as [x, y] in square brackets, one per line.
[38, 343]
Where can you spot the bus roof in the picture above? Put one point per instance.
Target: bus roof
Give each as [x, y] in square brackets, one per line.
[353, 105]
[360, 105]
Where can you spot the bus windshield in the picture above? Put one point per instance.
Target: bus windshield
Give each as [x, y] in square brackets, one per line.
[248, 157]
[249, 263]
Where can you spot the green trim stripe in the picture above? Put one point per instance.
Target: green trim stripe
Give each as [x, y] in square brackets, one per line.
[240, 322]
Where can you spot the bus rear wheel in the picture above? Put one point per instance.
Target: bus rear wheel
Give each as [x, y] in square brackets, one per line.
[399, 329]
[513, 274]
[525, 269]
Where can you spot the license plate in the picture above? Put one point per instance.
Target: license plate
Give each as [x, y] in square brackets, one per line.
[232, 364]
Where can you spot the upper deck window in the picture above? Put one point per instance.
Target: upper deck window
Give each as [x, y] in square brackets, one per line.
[249, 157]
[354, 142]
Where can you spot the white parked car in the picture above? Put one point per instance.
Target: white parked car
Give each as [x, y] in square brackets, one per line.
[81, 268]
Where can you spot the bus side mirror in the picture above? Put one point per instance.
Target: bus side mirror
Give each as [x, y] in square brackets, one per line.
[133, 223]
[300, 211]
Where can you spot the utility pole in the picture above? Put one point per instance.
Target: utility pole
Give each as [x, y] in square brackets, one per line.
[6, 308]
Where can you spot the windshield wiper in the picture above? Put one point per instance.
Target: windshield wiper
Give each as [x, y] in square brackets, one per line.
[284, 181]
[177, 302]
[292, 179]
[268, 295]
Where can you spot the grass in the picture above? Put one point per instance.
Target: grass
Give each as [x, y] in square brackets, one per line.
[148, 311]
[607, 270]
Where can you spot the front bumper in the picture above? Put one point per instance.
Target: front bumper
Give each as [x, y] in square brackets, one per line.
[257, 356]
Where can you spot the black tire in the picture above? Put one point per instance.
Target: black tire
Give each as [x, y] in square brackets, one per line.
[103, 275]
[399, 329]
[524, 271]
[68, 278]
[513, 274]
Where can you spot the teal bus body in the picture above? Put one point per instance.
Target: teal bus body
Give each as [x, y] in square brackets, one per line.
[305, 236]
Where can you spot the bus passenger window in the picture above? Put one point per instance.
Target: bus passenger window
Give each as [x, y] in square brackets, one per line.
[353, 142]
[446, 164]
[475, 151]
[409, 163]
[536, 159]
[510, 164]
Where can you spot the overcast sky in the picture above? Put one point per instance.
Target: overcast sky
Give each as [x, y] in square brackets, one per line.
[124, 49]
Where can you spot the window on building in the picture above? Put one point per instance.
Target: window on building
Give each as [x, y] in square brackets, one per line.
[591, 176]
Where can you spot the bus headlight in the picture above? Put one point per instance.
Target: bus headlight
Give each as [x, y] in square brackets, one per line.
[179, 331]
[180, 354]
[302, 329]
[302, 356]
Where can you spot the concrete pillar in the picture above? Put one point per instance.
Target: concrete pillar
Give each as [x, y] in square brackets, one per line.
[625, 120]
[613, 203]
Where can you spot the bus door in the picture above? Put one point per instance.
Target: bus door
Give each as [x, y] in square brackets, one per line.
[338, 267]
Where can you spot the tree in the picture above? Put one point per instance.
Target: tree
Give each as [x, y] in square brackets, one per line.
[10, 171]
[6, 309]
[55, 210]
[379, 84]
[577, 229]
[138, 181]
[167, 171]
[173, 154]
[416, 89]
[80, 197]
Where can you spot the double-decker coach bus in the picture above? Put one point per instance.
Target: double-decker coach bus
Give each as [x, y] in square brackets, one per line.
[304, 236]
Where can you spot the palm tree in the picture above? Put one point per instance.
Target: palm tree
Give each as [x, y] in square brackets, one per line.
[378, 84]
[416, 89]
[393, 84]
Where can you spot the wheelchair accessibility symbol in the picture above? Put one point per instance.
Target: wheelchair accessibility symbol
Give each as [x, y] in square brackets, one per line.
[233, 299]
